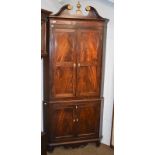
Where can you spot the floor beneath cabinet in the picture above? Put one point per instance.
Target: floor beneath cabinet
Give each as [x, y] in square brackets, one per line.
[90, 149]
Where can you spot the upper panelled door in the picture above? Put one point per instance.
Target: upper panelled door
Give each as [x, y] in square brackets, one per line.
[88, 67]
[64, 63]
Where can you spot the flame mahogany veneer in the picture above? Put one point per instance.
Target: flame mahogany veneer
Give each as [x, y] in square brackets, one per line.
[73, 75]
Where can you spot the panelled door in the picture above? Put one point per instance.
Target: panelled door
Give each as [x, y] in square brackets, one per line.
[64, 59]
[88, 115]
[88, 68]
[61, 122]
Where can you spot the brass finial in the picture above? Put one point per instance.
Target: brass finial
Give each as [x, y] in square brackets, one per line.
[78, 5]
[78, 11]
[69, 7]
[88, 8]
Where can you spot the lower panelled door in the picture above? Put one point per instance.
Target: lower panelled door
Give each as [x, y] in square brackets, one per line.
[61, 122]
[88, 115]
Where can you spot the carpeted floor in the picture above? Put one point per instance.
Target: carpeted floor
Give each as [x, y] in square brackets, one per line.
[90, 149]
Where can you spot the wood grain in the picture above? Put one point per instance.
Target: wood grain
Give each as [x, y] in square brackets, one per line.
[89, 57]
[63, 62]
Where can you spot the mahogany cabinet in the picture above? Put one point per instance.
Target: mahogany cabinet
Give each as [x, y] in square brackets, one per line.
[73, 74]
[44, 15]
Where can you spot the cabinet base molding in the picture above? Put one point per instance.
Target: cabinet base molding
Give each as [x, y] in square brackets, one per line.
[74, 144]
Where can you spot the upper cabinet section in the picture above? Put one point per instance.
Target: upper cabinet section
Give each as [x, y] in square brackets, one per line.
[44, 15]
[75, 53]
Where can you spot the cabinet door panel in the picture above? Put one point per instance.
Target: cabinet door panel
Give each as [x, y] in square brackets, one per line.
[87, 80]
[89, 58]
[64, 81]
[88, 123]
[64, 62]
[61, 123]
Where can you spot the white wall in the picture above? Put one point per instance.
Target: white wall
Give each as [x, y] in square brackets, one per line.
[106, 10]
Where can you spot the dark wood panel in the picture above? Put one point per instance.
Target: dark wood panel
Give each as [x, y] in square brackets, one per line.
[76, 100]
[76, 24]
[64, 80]
[61, 125]
[88, 81]
[44, 15]
[88, 115]
[63, 54]
[64, 45]
[89, 46]
[43, 143]
[43, 37]
[89, 57]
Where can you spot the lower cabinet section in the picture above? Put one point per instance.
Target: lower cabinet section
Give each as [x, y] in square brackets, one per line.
[73, 121]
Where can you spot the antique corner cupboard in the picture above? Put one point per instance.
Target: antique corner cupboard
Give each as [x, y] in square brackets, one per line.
[73, 75]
